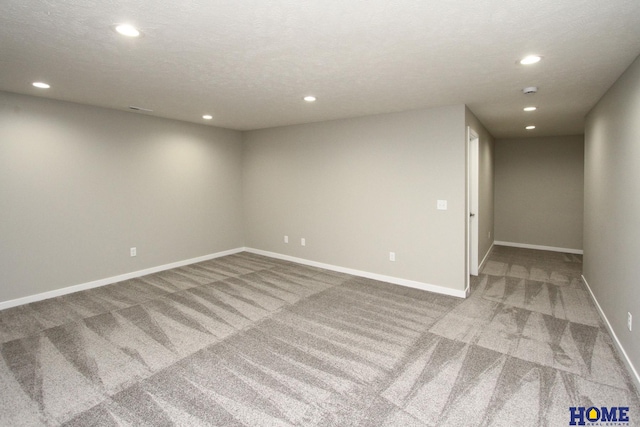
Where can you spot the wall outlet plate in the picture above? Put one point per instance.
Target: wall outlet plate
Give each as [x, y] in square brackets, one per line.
[133, 252]
[629, 321]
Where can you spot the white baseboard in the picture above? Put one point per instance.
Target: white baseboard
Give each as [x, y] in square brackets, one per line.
[110, 280]
[540, 247]
[394, 280]
[467, 291]
[486, 257]
[625, 357]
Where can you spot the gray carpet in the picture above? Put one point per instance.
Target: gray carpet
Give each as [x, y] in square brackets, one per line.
[246, 340]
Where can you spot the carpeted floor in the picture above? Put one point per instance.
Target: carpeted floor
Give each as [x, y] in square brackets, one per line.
[246, 340]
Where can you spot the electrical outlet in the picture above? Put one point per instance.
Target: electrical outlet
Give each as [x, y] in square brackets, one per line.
[133, 251]
[441, 205]
[629, 321]
[392, 256]
[286, 239]
[303, 241]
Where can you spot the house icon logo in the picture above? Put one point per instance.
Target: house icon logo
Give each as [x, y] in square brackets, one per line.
[581, 416]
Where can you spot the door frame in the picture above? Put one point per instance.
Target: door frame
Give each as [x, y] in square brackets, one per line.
[473, 178]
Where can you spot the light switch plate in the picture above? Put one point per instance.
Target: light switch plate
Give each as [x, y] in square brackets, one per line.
[442, 205]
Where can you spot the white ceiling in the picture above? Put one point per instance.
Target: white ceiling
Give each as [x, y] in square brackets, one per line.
[250, 62]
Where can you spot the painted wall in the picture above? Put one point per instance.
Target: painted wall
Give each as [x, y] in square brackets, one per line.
[360, 188]
[80, 185]
[486, 172]
[539, 191]
[612, 204]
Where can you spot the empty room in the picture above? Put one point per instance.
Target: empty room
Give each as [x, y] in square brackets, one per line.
[317, 213]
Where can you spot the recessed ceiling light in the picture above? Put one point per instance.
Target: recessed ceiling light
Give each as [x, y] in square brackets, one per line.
[207, 117]
[127, 30]
[531, 59]
[530, 108]
[41, 85]
[309, 98]
[531, 127]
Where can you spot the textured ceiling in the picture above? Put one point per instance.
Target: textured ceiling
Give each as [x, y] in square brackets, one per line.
[250, 62]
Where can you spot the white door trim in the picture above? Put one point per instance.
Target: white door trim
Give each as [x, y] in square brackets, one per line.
[473, 216]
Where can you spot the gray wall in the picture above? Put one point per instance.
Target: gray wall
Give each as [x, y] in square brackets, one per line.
[486, 172]
[357, 189]
[539, 191]
[80, 185]
[612, 204]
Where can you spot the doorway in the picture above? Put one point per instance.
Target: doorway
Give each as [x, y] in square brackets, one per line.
[473, 144]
